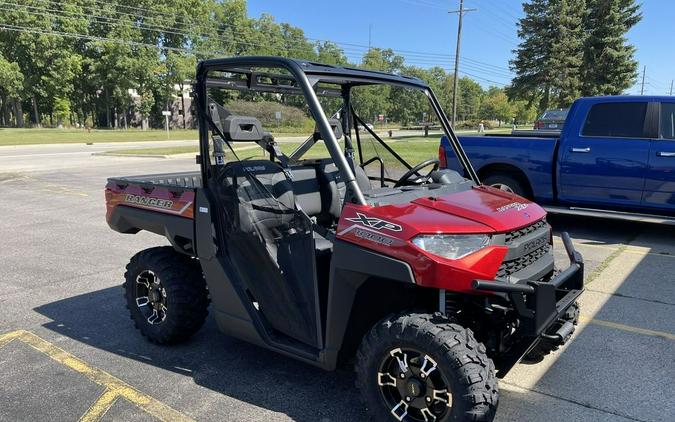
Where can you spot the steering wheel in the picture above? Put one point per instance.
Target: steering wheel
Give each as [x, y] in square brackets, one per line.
[413, 171]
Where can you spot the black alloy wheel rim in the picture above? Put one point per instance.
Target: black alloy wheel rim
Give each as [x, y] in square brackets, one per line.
[412, 386]
[151, 297]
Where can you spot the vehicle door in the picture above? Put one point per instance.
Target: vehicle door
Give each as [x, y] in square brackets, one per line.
[604, 162]
[659, 192]
[263, 239]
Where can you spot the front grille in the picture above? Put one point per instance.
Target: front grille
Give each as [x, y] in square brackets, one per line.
[517, 234]
[514, 265]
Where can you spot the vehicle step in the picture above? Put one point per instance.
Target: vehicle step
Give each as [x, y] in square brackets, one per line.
[616, 215]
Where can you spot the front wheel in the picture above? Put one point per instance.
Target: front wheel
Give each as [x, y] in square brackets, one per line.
[421, 367]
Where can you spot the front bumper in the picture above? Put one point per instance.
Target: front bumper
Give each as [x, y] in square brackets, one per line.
[538, 304]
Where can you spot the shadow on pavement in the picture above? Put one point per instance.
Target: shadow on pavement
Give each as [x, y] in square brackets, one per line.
[215, 361]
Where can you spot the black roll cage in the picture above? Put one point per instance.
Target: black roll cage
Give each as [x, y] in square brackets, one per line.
[304, 76]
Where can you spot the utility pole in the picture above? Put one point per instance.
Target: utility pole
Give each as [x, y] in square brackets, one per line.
[460, 13]
[671, 87]
[370, 33]
[644, 70]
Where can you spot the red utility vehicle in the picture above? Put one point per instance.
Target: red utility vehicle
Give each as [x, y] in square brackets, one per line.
[435, 284]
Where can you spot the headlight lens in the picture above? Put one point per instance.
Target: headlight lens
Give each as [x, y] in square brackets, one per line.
[451, 246]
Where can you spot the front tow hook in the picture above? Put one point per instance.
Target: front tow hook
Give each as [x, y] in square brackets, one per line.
[562, 335]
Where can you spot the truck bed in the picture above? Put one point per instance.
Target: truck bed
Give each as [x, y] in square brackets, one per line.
[531, 154]
[158, 203]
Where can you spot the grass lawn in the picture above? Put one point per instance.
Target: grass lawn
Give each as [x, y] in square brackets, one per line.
[413, 149]
[9, 136]
[73, 136]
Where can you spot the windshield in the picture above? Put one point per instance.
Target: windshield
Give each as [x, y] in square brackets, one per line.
[395, 129]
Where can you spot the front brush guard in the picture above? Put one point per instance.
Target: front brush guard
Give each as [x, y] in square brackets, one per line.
[538, 304]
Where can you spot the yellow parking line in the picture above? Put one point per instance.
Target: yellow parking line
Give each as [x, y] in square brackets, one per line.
[6, 338]
[100, 406]
[115, 387]
[628, 328]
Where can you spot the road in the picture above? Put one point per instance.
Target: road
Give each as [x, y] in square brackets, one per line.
[69, 348]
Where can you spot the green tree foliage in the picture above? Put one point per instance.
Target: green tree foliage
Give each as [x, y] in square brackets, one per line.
[61, 110]
[470, 96]
[111, 64]
[610, 67]
[496, 106]
[571, 48]
[566, 59]
[11, 88]
[531, 63]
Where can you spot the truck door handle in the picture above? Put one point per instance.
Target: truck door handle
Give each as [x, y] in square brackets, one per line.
[665, 154]
[587, 149]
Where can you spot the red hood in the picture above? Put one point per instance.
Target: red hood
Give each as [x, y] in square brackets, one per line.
[502, 211]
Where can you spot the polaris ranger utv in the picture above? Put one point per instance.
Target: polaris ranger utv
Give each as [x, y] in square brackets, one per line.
[434, 284]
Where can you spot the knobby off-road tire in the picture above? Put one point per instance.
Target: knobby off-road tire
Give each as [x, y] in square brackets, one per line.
[461, 365]
[176, 282]
[545, 346]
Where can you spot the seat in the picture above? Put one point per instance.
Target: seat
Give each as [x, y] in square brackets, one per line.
[263, 188]
[307, 190]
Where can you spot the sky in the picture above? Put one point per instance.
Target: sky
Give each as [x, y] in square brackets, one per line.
[426, 34]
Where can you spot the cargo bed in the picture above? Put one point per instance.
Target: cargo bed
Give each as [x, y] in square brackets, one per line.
[159, 203]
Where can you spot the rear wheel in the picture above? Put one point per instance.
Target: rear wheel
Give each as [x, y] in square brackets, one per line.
[506, 183]
[166, 295]
[421, 367]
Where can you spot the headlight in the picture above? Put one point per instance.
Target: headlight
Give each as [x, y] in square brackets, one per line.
[451, 246]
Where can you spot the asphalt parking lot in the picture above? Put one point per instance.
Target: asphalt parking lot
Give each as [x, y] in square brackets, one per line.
[68, 350]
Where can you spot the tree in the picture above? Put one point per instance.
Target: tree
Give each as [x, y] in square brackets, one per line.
[61, 110]
[496, 106]
[533, 78]
[180, 68]
[470, 95]
[11, 86]
[523, 111]
[330, 53]
[566, 57]
[609, 64]
[549, 59]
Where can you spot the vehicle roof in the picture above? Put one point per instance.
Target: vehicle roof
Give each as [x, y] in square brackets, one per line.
[647, 98]
[337, 74]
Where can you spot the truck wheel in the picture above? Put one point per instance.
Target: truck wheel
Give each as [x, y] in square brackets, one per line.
[421, 367]
[545, 346]
[166, 295]
[506, 183]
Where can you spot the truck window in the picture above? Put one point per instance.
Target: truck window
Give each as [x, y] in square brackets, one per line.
[668, 120]
[616, 120]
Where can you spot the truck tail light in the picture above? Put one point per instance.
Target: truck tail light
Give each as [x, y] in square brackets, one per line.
[442, 158]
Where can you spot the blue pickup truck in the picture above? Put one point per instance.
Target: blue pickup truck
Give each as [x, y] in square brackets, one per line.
[615, 157]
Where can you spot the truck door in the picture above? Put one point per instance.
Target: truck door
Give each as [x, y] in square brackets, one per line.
[659, 192]
[604, 162]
